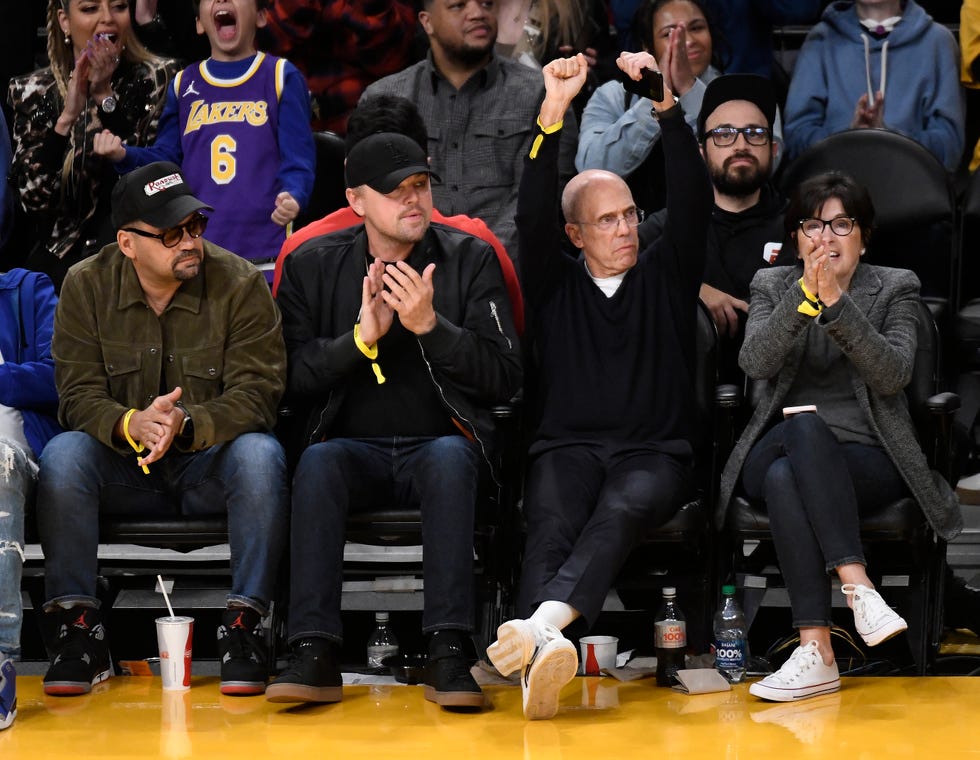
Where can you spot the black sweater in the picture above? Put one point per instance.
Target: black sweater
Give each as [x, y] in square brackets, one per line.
[620, 368]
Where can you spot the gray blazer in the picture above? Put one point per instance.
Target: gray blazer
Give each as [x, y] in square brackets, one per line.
[876, 330]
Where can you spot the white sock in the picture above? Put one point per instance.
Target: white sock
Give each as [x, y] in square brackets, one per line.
[558, 614]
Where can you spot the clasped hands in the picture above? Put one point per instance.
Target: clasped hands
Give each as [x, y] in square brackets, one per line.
[92, 76]
[818, 273]
[156, 426]
[393, 288]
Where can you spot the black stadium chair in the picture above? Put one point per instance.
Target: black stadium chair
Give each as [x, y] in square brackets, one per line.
[329, 185]
[913, 200]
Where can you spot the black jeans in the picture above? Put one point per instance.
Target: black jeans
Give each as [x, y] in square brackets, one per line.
[440, 475]
[815, 490]
[587, 505]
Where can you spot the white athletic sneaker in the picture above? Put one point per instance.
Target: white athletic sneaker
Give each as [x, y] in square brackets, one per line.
[514, 647]
[874, 620]
[545, 658]
[553, 665]
[8, 693]
[802, 675]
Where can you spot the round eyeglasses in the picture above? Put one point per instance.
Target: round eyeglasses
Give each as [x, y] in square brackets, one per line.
[724, 137]
[839, 225]
[608, 222]
[172, 236]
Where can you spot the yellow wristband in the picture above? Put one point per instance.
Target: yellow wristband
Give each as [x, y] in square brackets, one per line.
[806, 293]
[811, 305]
[809, 309]
[371, 352]
[536, 144]
[137, 447]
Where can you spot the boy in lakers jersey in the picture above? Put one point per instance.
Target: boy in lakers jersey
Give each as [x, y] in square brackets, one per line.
[239, 126]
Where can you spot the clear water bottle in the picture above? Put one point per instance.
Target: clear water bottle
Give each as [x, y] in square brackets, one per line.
[670, 639]
[731, 637]
[382, 642]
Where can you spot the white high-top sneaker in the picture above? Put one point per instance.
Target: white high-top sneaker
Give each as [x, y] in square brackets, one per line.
[546, 659]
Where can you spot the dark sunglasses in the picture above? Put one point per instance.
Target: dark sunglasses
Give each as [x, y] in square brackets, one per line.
[172, 236]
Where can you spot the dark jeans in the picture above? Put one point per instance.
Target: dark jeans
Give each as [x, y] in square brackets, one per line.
[439, 475]
[587, 505]
[815, 490]
[80, 476]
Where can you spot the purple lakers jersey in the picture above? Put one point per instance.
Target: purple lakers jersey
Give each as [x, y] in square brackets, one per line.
[229, 136]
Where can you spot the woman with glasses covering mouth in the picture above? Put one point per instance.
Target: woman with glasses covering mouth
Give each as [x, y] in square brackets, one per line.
[100, 77]
[831, 438]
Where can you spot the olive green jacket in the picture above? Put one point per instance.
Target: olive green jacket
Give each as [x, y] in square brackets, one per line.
[219, 339]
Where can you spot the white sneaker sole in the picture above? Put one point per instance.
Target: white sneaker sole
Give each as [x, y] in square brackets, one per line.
[554, 666]
[513, 648]
[787, 694]
[888, 630]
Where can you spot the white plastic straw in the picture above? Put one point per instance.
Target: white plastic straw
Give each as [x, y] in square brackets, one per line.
[166, 598]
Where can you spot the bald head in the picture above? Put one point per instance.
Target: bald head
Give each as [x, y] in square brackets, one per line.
[583, 187]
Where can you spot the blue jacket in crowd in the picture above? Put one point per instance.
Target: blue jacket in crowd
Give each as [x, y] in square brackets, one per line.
[27, 302]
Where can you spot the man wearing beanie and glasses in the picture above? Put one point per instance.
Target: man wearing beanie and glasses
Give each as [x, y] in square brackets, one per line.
[170, 363]
[400, 340]
[746, 233]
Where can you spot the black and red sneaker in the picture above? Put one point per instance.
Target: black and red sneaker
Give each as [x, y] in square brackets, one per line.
[80, 654]
[241, 647]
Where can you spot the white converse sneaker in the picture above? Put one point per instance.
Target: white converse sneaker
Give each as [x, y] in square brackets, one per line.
[553, 665]
[802, 675]
[874, 620]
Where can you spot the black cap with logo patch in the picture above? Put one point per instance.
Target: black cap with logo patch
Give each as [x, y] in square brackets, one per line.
[156, 194]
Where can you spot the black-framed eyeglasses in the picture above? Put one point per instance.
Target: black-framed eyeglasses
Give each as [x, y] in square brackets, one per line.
[172, 236]
[839, 225]
[724, 137]
[608, 222]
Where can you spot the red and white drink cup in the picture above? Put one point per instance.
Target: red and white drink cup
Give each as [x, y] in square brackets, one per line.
[174, 636]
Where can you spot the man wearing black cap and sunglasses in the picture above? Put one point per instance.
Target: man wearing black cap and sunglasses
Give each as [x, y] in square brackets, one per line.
[169, 362]
[734, 127]
[400, 339]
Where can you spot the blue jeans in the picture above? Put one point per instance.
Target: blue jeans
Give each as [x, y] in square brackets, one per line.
[815, 490]
[439, 475]
[80, 478]
[17, 476]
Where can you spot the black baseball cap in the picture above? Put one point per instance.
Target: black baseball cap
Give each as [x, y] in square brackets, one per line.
[156, 194]
[383, 160]
[751, 87]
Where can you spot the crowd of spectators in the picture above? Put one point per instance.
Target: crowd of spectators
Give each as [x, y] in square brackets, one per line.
[185, 131]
